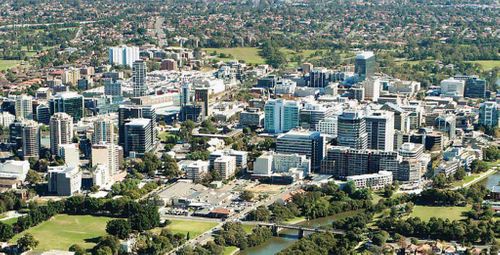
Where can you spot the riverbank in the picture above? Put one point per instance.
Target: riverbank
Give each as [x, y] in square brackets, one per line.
[468, 181]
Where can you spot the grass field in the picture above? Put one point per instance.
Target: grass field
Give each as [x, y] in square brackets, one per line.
[248, 228]
[449, 212]
[248, 54]
[229, 250]
[487, 64]
[295, 220]
[465, 180]
[8, 64]
[63, 230]
[193, 227]
[10, 221]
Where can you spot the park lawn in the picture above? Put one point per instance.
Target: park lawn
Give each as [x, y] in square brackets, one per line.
[62, 231]
[8, 64]
[466, 179]
[248, 54]
[248, 228]
[229, 250]
[164, 135]
[487, 65]
[193, 227]
[10, 221]
[295, 220]
[443, 212]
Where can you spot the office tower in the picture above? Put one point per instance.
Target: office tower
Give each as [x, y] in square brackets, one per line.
[319, 77]
[112, 87]
[70, 153]
[452, 87]
[138, 138]
[6, 119]
[226, 166]
[446, 123]
[61, 131]
[372, 89]
[201, 98]
[191, 112]
[342, 161]
[311, 114]
[252, 117]
[123, 55]
[16, 134]
[43, 114]
[488, 114]
[68, 102]
[380, 129]
[185, 94]
[64, 180]
[31, 140]
[474, 87]
[401, 120]
[281, 115]
[139, 78]
[127, 112]
[309, 143]
[24, 107]
[351, 128]
[364, 65]
[107, 155]
[104, 130]
[328, 126]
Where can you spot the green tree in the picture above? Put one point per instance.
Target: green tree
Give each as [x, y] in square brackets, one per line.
[6, 232]
[77, 249]
[247, 195]
[27, 242]
[119, 228]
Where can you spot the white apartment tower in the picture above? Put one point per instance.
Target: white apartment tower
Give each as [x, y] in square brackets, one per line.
[61, 130]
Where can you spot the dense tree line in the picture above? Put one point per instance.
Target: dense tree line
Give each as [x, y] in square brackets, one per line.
[437, 228]
[321, 243]
[233, 234]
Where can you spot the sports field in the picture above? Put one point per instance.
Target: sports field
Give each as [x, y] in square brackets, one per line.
[448, 212]
[64, 230]
[194, 227]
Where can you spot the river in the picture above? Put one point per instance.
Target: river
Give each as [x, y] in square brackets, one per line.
[493, 180]
[288, 237]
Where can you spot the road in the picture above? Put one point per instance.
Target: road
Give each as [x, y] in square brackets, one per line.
[203, 238]
[46, 24]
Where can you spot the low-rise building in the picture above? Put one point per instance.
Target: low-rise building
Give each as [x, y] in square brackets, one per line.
[196, 170]
[374, 181]
[226, 166]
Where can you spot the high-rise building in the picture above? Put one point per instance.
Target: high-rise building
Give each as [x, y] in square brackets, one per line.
[127, 112]
[447, 123]
[352, 130]
[24, 107]
[196, 170]
[61, 131]
[64, 180]
[309, 143]
[104, 130]
[226, 166]
[185, 94]
[364, 65]
[139, 78]
[380, 129]
[474, 87]
[70, 153]
[31, 140]
[123, 55]
[68, 102]
[281, 116]
[112, 87]
[328, 126]
[70, 76]
[138, 138]
[201, 97]
[452, 87]
[372, 89]
[43, 114]
[319, 77]
[107, 155]
[311, 114]
[401, 119]
[488, 114]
